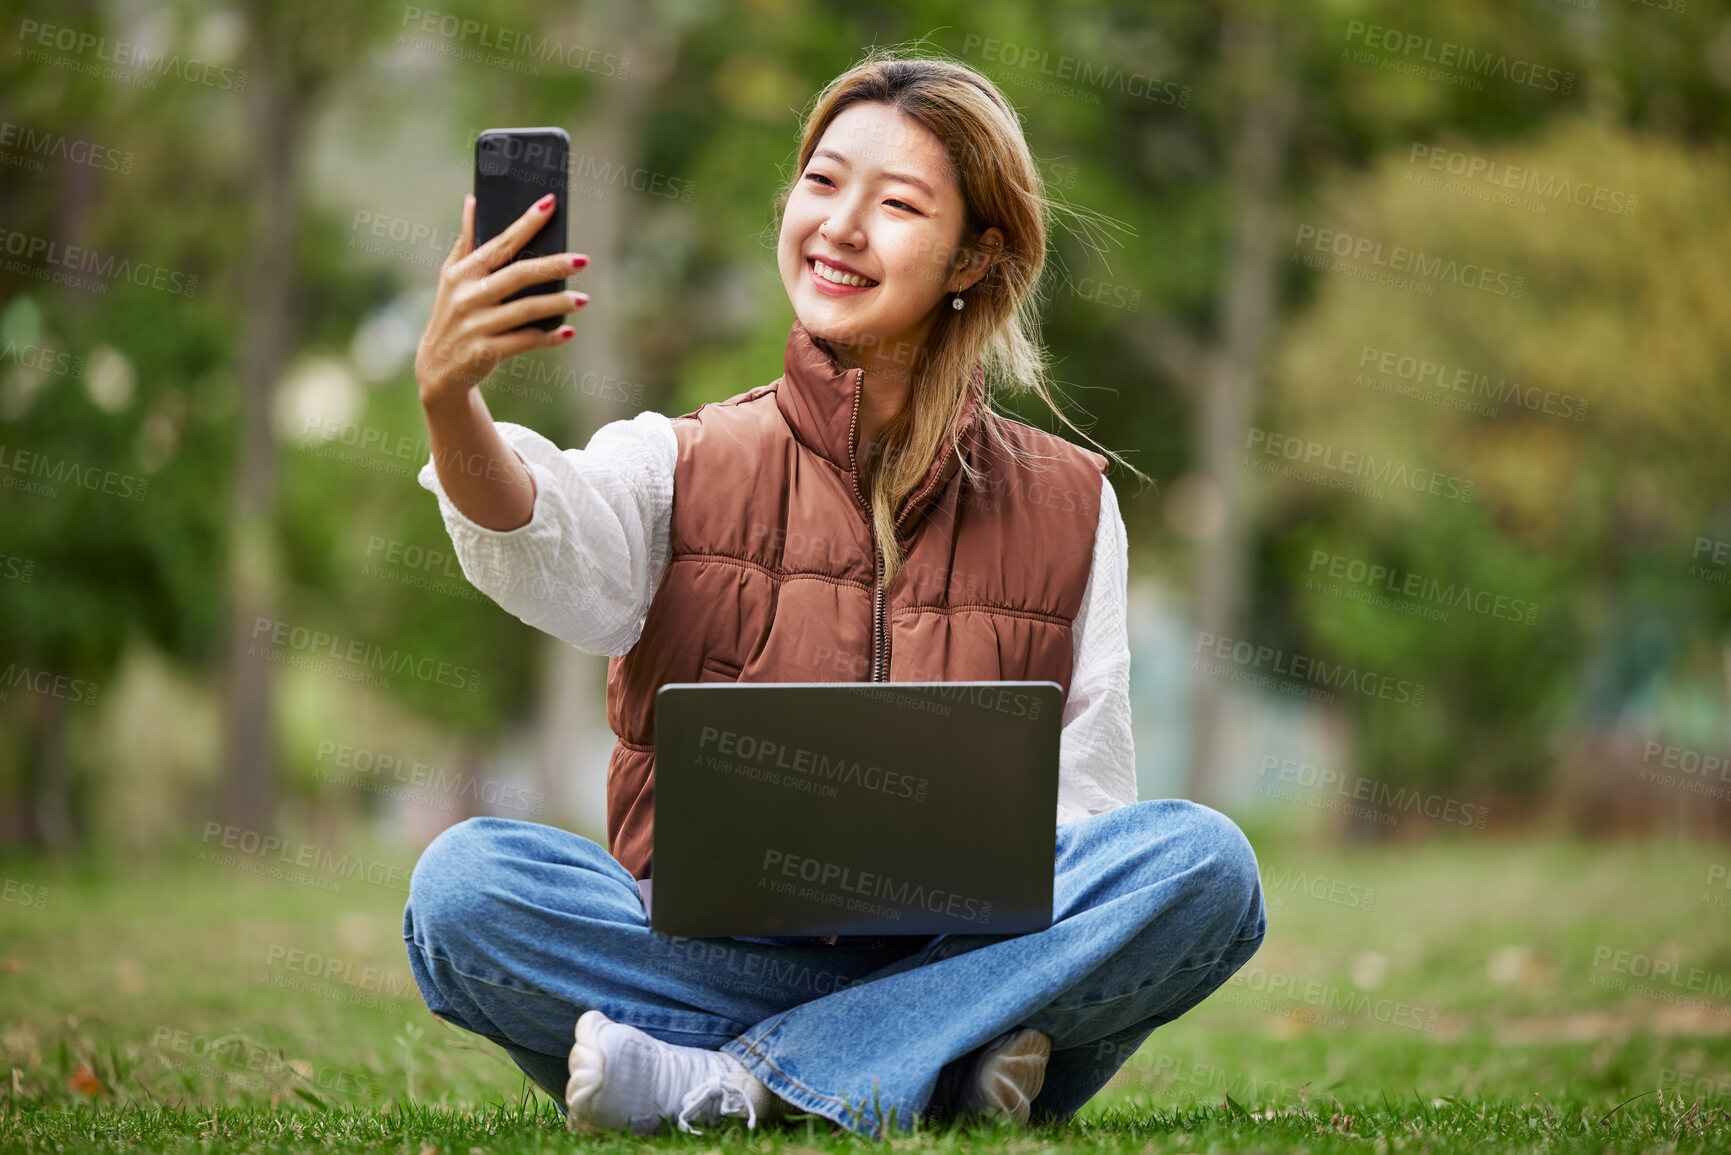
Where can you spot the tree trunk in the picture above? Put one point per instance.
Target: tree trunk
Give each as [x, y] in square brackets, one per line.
[276, 114]
[51, 824]
[1228, 395]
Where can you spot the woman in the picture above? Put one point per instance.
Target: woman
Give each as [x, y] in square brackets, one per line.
[866, 516]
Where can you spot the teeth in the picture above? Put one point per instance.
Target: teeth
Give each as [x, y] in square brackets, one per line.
[838, 277]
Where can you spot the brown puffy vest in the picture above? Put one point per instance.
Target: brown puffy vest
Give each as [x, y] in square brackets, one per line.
[772, 570]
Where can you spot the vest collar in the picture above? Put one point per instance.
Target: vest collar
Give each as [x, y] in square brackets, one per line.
[817, 399]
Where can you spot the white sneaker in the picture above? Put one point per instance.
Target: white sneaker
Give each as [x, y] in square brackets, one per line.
[1010, 1071]
[622, 1078]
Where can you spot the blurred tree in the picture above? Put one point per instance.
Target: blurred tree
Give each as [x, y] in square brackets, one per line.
[1587, 407]
[294, 53]
[103, 383]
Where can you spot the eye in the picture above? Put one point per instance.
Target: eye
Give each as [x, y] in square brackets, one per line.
[905, 205]
[819, 176]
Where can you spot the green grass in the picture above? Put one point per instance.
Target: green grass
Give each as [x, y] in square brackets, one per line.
[1446, 997]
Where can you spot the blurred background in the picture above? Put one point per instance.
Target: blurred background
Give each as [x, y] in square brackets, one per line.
[1418, 317]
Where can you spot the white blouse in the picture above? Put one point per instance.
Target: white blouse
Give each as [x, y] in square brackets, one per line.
[597, 539]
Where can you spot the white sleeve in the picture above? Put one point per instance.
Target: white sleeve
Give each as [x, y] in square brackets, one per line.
[1096, 750]
[586, 565]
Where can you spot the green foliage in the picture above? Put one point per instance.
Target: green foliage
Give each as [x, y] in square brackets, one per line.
[1136, 116]
[1590, 420]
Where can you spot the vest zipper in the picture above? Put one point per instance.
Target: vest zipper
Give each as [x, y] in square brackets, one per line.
[880, 640]
[880, 636]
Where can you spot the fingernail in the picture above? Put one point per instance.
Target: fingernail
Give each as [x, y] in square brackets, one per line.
[578, 300]
[565, 333]
[545, 202]
[578, 261]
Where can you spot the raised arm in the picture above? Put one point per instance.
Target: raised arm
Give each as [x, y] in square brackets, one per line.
[468, 334]
[572, 541]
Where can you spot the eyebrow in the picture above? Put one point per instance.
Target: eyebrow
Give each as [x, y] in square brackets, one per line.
[897, 176]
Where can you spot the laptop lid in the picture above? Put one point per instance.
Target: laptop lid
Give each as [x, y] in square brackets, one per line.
[817, 808]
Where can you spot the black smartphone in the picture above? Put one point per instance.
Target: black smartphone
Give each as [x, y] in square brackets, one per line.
[514, 168]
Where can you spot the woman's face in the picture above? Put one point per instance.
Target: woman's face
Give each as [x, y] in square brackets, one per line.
[879, 201]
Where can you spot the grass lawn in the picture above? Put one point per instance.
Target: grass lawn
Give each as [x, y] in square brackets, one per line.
[1529, 994]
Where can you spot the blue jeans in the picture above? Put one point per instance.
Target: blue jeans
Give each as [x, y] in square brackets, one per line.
[514, 929]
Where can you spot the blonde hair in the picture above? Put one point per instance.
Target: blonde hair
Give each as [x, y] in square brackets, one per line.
[1001, 187]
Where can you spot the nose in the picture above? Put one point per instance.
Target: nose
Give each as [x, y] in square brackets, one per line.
[844, 226]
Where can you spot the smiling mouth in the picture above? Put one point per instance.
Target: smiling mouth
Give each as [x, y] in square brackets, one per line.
[838, 278]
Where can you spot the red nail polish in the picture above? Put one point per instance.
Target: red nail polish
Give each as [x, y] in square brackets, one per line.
[545, 202]
[578, 300]
[579, 262]
[565, 333]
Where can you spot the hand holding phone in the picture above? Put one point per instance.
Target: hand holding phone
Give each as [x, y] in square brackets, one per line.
[470, 330]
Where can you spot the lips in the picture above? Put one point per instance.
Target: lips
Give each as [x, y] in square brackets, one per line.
[828, 276]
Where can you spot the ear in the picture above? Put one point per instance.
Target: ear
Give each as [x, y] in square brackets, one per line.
[980, 257]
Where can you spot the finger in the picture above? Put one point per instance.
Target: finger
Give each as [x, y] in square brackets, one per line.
[503, 247]
[465, 232]
[530, 308]
[509, 344]
[483, 323]
[521, 274]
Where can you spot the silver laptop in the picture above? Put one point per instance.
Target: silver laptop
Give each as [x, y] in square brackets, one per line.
[789, 809]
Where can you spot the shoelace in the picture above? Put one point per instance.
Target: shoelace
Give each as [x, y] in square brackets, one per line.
[731, 1094]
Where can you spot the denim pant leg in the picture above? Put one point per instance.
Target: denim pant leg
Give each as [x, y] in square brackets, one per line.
[513, 929]
[1155, 905]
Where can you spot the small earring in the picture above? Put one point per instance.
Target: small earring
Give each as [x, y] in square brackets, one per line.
[956, 303]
